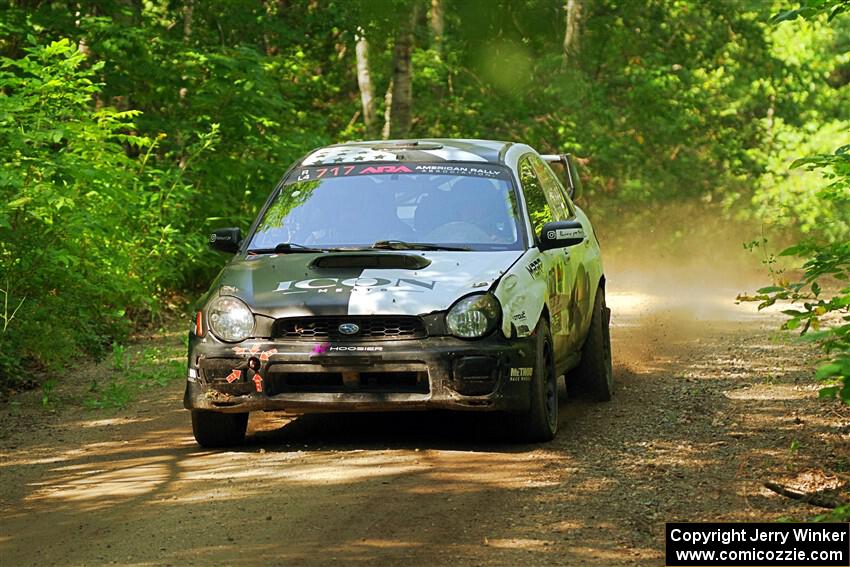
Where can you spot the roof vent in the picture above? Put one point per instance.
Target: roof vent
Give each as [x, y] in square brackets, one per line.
[407, 145]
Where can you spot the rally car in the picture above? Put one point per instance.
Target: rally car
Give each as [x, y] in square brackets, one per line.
[405, 275]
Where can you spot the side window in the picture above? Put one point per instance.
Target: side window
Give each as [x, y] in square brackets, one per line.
[535, 199]
[554, 192]
[559, 187]
[567, 200]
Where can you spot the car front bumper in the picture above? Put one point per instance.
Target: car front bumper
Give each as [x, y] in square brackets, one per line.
[487, 374]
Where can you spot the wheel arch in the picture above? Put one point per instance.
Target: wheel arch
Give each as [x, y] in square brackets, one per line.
[600, 285]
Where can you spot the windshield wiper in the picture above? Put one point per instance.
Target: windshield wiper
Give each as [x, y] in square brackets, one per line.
[287, 247]
[402, 245]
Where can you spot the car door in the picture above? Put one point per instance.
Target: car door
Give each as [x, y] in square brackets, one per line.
[575, 299]
[556, 264]
[582, 286]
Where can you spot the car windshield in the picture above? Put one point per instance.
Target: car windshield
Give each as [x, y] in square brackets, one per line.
[462, 206]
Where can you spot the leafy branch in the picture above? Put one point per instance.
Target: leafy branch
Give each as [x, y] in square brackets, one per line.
[7, 318]
[810, 9]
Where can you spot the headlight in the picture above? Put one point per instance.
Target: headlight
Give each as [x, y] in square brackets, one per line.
[473, 316]
[230, 319]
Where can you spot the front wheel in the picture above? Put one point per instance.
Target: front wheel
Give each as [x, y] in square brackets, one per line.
[540, 423]
[213, 429]
[594, 376]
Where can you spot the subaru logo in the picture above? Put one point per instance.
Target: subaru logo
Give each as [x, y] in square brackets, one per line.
[349, 329]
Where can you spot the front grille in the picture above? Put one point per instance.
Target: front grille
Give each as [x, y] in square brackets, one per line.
[372, 328]
[280, 381]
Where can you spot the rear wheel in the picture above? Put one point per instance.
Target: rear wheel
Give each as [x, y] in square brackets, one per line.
[540, 423]
[213, 429]
[594, 376]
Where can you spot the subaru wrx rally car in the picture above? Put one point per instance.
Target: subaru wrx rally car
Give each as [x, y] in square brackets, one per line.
[405, 275]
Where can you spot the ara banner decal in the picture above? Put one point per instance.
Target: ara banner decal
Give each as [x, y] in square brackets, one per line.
[313, 172]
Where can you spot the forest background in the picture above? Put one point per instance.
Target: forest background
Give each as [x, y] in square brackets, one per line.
[131, 128]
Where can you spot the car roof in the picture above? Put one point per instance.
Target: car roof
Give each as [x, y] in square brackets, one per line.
[412, 150]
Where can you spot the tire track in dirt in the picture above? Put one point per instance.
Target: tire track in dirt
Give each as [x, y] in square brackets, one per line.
[707, 406]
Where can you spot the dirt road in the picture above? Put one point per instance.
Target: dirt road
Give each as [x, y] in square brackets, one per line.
[708, 406]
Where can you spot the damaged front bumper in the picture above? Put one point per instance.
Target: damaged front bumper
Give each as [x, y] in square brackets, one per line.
[492, 373]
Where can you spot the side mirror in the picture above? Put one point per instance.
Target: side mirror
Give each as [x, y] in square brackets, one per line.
[226, 239]
[561, 234]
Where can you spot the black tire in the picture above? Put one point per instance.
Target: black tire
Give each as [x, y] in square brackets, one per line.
[540, 423]
[563, 391]
[593, 378]
[213, 429]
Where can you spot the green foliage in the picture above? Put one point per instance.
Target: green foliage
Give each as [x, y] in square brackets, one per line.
[839, 514]
[47, 389]
[119, 357]
[128, 130]
[813, 8]
[796, 198]
[91, 226]
[823, 295]
[794, 448]
[115, 395]
[60, 162]
[132, 373]
[823, 292]
[822, 313]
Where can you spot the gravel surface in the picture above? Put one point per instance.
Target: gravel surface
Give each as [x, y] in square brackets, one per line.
[709, 405]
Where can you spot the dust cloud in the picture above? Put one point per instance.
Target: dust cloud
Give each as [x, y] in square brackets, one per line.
[673, 275]
[682, 257]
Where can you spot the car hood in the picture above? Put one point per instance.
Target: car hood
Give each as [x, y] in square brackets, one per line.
[360, 283]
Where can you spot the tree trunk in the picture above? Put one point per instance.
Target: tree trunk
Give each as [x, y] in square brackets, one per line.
[364, 79]
[573, 9]
[402, 92]
[188, 10]
[437, 23]
[82, 44]
[388, 118]
[136, 6]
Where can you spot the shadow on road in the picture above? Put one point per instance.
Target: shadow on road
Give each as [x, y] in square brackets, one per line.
[443, 430]
[702, 410]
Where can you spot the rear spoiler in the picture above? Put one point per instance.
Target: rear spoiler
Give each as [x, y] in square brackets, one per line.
[570, 172]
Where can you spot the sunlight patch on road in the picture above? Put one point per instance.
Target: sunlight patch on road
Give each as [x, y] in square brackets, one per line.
[519, 543]
[112, 421]
[438, 472]
[387, 544]
[567, 525]
[665, 456]
[454, 469]
[600, 555]
[774, 392]
[280, 468]
[103, 487]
